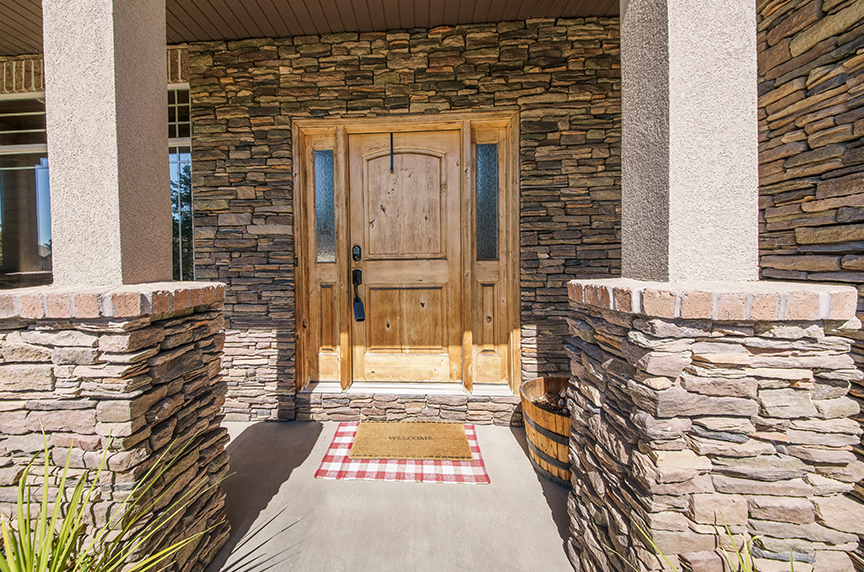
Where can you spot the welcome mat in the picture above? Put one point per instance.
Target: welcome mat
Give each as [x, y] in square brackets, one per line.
[339, 466]
[420, 440]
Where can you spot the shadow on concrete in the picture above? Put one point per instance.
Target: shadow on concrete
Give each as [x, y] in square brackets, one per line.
[555, 494]
[262, 459]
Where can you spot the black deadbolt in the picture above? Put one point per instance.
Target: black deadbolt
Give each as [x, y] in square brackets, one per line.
[356, 254]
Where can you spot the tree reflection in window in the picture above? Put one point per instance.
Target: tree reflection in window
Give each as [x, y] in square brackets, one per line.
[181, 212]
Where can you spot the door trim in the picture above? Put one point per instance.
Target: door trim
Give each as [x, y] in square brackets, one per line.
[474, 127]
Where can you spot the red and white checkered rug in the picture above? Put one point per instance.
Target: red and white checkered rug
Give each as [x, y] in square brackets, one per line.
[337, 465]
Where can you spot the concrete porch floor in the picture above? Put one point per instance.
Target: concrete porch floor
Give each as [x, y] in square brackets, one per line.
[282, 518]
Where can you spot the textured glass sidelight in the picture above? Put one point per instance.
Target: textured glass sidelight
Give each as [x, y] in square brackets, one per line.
[325, 214]
[487, 201]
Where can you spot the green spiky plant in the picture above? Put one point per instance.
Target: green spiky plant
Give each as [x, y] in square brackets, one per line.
[59, 540]
[741, 560]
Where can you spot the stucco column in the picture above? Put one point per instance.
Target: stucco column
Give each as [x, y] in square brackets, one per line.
[690, 140]
[105, 83]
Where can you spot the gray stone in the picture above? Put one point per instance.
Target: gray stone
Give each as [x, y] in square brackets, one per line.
[701, 431]
[29, 443]
[840, 512]
[677, 402]
[718, 509]
[119, 411]
[660, 429]
[827, 440]
[781, 509]
[825, 455]
[73, 421]
[751, 448]
[131, 341]
[660, 328]
[790, 488]
[813, 531]
[721, 386]
[669, 466]
[786, 403]
[726, 424]
[67, 338]
[25, 353]
[12, 422]
[833, 560]
[834, 408]
[762, 468]
[74, 355]
[26, 377]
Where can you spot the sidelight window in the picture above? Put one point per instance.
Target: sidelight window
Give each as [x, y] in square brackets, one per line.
[180, 169]
[487, 201]
[325, 212]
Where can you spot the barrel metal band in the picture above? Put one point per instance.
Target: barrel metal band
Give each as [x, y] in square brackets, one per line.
[551, 460]
[563, 439]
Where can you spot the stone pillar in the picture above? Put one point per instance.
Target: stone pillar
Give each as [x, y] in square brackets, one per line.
[125, 374]
[689, 140]
[105, 84]
[695, 405]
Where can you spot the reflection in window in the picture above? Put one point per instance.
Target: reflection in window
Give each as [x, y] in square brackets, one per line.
[180, 161]
[325, 214]
[487, 201]
[25, 198]
[25, 201]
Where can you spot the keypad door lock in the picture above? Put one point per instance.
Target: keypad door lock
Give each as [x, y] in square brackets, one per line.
[356, 253]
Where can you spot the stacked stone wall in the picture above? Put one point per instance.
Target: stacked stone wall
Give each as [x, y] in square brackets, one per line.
[562, 75]
[811, 112]
[691, 408]
[122, 376]
[502, 410]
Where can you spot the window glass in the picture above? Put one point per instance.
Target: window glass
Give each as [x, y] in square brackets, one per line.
[179, 124]
[487, 201]
[180, 162]
[22, 122]
[325, 213]
[25, 198]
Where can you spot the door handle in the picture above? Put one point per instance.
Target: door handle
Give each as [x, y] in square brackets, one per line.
[357, 279]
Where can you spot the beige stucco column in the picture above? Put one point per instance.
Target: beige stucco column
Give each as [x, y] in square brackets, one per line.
[105, 83]
[690, 143]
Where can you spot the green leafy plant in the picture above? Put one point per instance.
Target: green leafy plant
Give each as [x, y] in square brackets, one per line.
[58, 539]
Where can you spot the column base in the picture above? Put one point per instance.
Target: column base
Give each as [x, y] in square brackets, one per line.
[695, 406]
[121, 373]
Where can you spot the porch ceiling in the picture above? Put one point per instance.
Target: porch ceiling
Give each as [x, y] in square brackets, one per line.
[202, 20]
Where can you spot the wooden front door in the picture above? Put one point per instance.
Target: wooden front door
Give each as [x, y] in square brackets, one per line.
[429, 223]
[405, 229]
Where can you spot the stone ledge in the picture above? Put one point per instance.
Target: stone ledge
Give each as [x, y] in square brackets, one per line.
[50, 302]
[734, 301]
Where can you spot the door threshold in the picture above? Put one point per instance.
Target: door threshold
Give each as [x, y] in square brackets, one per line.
[409, 388]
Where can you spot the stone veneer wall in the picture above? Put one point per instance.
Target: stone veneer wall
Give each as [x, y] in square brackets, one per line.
[563, 76]
[125, 374]
[811, 110]
[690, 403]
[478, 409]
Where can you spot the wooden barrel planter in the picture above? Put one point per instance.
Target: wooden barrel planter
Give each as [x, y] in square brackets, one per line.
[548, 433]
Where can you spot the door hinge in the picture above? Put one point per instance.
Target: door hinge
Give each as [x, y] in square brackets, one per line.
[296, 264]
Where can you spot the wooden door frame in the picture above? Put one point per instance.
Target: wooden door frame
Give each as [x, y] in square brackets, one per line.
[468, 124]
